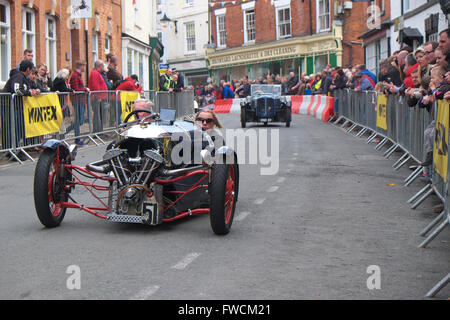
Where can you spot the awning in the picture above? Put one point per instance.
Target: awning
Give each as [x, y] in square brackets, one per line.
[411, 34]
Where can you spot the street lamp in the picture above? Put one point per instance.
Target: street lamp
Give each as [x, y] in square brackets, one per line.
[166, 20]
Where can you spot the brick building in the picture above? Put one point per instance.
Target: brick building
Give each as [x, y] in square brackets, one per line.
[277, 36]
[45, 26]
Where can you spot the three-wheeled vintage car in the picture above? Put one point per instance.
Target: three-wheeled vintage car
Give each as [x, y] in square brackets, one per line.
[137, 181]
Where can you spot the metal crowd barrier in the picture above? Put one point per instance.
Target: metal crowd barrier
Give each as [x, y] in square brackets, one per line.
[405, 127]
[86, 115]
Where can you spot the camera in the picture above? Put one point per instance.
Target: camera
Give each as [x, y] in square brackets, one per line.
[417, 94]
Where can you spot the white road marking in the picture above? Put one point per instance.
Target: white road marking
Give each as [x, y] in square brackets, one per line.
[186, 261]
[260, 200]
[281, 180]
[273, 189]
[145, 293]
[296, 154]
[242, 216]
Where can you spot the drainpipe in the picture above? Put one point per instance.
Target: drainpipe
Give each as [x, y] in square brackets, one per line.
[310, 18]
[86, 33]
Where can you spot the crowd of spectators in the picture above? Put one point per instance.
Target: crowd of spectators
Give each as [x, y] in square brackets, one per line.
[421, 75]
[28, 80]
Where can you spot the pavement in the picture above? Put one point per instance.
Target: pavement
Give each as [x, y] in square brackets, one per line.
[323, 227]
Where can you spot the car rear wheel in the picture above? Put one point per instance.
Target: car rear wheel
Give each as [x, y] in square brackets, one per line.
[223, 191]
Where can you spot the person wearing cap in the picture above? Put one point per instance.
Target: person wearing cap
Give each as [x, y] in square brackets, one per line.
[131, 83]
[363, 83]
[19, 82]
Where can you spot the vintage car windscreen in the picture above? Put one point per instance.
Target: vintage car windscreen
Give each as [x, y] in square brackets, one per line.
[266, 89]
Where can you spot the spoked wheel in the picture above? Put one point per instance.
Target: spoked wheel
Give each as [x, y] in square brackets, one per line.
[50, 188]
[223, 192]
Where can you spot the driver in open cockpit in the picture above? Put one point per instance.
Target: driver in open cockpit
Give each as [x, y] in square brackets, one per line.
[143, 104]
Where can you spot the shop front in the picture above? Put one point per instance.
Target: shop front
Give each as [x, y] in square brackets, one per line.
[308, 55]
[194, 72]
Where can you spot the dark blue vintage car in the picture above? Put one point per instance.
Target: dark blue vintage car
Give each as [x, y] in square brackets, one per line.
[264, 105]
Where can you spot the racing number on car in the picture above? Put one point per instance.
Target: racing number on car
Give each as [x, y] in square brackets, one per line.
[147, 209]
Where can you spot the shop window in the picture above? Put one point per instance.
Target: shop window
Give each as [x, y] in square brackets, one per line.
[320, 63]
[129, 61]
[141, 69]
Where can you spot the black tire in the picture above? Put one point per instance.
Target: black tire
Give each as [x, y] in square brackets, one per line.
[221, 188]
[288, 117]
[46, 197]
[243, 119]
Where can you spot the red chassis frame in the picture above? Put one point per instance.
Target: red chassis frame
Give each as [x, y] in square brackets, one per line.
[90, 187]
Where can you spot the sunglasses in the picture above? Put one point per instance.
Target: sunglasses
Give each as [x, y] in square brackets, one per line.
[207, 120]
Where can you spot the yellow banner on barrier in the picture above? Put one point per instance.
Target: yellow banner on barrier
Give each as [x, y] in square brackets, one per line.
[42, 115]
[382, 112]
[127, 100]
[440, 152]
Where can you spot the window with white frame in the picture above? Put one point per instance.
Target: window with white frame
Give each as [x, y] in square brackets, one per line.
[221, 32]
[406, 5]
[50, 44]
[107, 44]
[28, 30]
[323, 15]
[283, 22]
[249, 25]
[136, 13]
[94, 47]
[141, 68]
[129, 61]
[5, 40]
[189, 28]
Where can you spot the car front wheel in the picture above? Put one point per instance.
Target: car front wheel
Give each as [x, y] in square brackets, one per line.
[223, 191]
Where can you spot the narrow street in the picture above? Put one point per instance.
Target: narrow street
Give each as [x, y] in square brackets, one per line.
[335, 208]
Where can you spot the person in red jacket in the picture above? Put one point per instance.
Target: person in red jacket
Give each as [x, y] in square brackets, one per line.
[98, 99]
[130, 84]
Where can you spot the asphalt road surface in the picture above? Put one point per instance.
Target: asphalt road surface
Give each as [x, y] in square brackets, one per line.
[314, 230]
